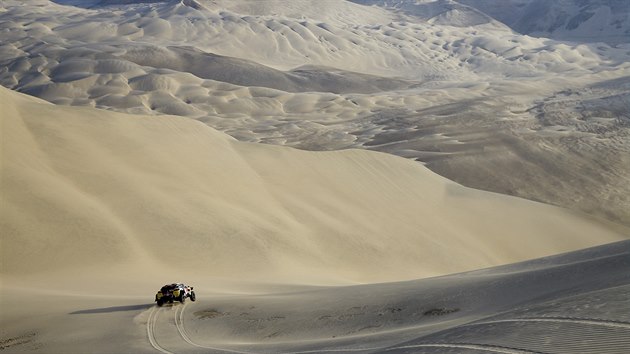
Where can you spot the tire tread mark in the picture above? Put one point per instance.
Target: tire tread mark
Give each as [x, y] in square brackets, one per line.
[151, 331]
[577, 320]
[481, 347]
[179, 323]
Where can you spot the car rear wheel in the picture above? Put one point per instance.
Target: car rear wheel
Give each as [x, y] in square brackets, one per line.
[160, 302]
[192, 296]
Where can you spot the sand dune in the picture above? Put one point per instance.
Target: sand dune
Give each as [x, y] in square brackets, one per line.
[329, 77]
[538, 306]
[99, 209]
[83, 186]
[297, 251]
[570, 20]
[451, 13]
[582, 21]
[246, 73]
[569, 303]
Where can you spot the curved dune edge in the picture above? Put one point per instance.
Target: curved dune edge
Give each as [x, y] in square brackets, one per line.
[88, 188]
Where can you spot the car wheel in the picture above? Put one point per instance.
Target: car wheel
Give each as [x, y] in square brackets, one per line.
[182, 298]
[192, 296]
[160, 302]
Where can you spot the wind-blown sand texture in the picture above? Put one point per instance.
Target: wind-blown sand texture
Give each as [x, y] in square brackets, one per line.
[100, 208]
[311, 250]
[84, 186]
[438, 82]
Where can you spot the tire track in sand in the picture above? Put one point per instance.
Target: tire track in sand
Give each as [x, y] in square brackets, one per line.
[480, 347]
[577, 320]
[153, 315]
[179, 323]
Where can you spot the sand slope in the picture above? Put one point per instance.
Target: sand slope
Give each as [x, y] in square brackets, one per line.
[580, 21]
[479, 104]
[83, 186]
[572, 303]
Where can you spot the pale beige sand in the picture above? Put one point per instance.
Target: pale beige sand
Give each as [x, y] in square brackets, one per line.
[83, 186]
[99, 209]
[480, 104]
[574, 303]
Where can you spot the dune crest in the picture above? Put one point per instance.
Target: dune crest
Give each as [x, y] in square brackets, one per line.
[83, 185]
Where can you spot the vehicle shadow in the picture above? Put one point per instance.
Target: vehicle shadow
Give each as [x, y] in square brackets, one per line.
[113, 309]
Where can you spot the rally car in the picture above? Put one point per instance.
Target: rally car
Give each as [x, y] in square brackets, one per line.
[174, 292]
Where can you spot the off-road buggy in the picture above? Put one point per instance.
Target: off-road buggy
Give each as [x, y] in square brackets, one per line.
[174, 292]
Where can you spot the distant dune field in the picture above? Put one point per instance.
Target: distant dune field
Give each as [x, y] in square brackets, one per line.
[461, 87]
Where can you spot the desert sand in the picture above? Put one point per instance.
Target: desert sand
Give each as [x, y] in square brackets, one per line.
[100, 208]
[307, 167]
[570, 303]
[436, 82]
[103, 187]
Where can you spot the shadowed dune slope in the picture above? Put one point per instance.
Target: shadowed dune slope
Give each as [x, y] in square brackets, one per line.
[87, 187]
[248, 73]
[547, 305]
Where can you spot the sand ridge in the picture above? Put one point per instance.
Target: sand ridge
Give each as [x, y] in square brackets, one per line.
[468, 101]
[302, 251]
[84, 185]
